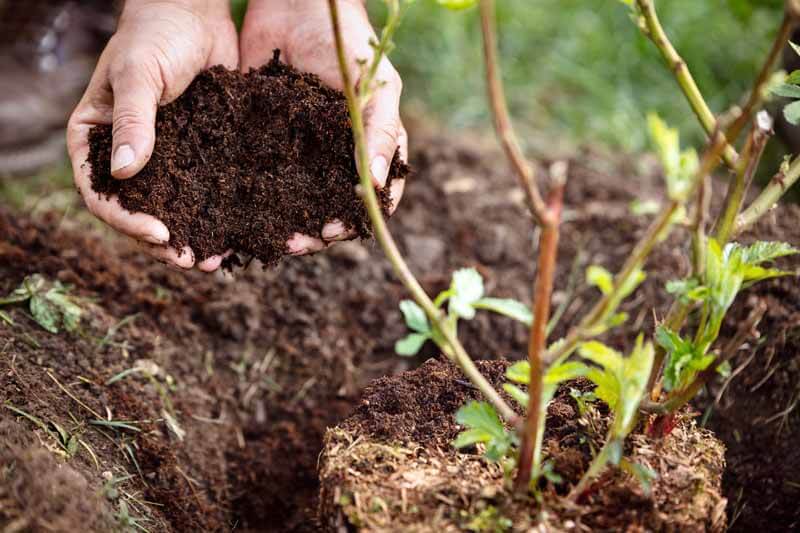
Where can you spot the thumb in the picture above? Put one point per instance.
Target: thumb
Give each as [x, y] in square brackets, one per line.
[383, 126]
[134, 118]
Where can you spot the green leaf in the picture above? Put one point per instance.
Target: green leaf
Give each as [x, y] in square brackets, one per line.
[793, 78]
[484, 426]
[410, 344]
[507, 307]
[787, 91]
[44, 312]
[792, 113]
[601, 355]
[600, 278]
[519, 372]
[763, 251]
[467, 287]
[520, 396]
[679, 167]
[682, 357]
[457, 5]
[643, 474]
[644, 207]
[414, 316]
[566, 371]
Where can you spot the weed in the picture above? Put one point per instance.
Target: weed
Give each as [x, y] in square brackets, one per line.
[50, 303]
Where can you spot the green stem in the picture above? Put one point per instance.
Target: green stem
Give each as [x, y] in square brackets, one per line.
[595, 468]
[769, 196]
[746, 168]
[382, 235]
[681, 72]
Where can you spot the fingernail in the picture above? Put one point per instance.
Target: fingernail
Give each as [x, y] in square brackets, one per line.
[380, 170]
[123, 156]
[332, 230]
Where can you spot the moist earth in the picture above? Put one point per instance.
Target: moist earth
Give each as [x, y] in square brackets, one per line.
[261, 363]
[243, 161]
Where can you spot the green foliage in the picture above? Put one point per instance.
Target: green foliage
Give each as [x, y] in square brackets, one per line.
[568, 92]
[49, 303]
[621, 381]
[464, 297]
[489, 520]
[483, 426]
[680, 167]
[790, 88]
[604, 281]
[728, 271]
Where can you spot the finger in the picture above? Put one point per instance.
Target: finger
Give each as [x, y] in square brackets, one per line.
[137, 90]
[382, 123]
[396, 193]
[221, 52]
[300, 244]
[140, 226]
[213, 263]
[403, 144]
[337, 231]
[183, 259]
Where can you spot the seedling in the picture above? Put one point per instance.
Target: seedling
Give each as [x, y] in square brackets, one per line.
[660, 375]
[50, 303]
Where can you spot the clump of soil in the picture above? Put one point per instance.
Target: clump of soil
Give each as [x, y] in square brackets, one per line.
[393, 464]
[243, 161]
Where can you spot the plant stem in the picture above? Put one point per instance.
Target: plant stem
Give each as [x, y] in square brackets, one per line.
[382, 235]
[769, 196]
[746, 168]
[757, 92]
[548, 251]
[699, 225]
[502, 122]
[596, 466]
[681, 72]
[680, 398]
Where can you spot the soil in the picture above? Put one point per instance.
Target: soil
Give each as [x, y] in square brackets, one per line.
[391, 466]
[261, 364]
[243, 161]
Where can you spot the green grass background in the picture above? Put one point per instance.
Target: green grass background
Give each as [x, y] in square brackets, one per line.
[579, 69]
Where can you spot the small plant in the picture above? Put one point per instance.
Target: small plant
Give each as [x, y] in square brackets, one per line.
[659, 376]
[50, 303]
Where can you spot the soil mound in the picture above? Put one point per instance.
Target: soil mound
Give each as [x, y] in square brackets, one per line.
[243, 161]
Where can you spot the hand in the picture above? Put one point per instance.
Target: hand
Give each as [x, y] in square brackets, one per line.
[301, 29]
[158, 49]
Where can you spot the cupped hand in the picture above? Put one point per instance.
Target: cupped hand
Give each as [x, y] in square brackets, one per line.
[158, 49]
[301, 29]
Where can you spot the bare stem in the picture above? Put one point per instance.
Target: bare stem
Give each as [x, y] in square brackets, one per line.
[548, 251]
[699, 225]
[756, 97]
[382, 235]
[682, 397]
[746, 168]
[502, 122]
[684, 77]
[769, 196]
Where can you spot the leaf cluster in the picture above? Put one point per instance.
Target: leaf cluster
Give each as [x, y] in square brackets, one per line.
[50, 303]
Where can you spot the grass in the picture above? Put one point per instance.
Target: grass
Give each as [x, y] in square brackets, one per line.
[594, 76]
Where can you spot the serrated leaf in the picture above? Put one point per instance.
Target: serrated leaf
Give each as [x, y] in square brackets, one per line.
[507, 307]
[411, 344]
[566, 371]
[763, 251]
[600, 278]
[414, 316]
[483, 425]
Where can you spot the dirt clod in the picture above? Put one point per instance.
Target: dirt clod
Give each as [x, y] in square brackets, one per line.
[243, 161]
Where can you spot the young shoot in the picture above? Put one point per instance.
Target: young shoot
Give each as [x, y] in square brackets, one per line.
[50, 303]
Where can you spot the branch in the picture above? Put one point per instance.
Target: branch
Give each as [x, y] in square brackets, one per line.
[502, 121]
[756, 97]
[382, 235]
[677, 65]
[638, 256]
[746, 168]
[548, 251]
[769, 196]
[682, 397]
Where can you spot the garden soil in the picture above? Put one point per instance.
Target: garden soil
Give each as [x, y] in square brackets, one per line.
[243, 161]
[254, 368]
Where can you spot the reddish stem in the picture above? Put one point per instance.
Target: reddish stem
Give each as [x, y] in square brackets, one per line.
[548, 251]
